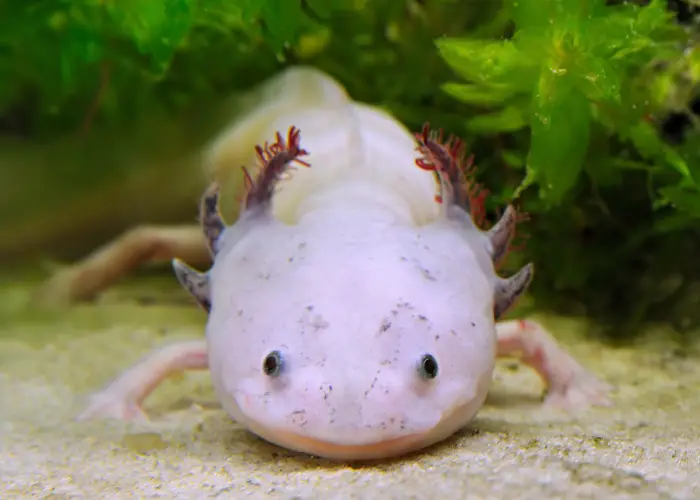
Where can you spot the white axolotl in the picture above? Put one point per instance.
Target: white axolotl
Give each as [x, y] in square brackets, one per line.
[352, 313]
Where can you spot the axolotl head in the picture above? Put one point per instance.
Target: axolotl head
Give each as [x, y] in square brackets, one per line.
[351, 341]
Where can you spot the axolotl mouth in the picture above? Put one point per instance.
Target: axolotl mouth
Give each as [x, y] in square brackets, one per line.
[337, 451]
[351, 441]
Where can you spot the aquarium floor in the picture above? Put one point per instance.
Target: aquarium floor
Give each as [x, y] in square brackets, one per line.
[647, 446]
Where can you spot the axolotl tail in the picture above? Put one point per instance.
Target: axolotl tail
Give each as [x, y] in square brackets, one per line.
[357, 152]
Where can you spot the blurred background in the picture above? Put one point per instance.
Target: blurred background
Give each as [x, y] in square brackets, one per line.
[583, 112]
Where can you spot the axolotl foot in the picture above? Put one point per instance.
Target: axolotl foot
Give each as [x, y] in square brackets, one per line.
[111, 404]
[121, 399]
[570, 386]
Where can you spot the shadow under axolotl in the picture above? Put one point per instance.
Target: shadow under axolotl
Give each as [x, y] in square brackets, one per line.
[219, 429]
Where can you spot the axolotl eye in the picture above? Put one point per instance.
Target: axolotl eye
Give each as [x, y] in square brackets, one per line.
[273, 363]
[428, 367]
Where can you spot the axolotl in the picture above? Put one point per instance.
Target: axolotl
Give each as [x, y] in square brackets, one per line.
[364, 323]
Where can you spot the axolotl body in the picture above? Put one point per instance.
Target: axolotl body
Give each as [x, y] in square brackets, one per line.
[363, 323]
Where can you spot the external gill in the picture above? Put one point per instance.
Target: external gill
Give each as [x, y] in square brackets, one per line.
[210, 217]
[457, 187]
[446, 159]
[274, 160]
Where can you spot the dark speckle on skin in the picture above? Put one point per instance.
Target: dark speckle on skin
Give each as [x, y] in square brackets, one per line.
[298, 417]
[299, 256]
[437, 337]
[264, 276]
[374, 382]
[319, 323]
[426, 274]
[473, 324]
[326, 389]
[422, 318]
[386, 324]
[422, 269]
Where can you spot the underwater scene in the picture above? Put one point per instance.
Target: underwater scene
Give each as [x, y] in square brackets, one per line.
[344, 249]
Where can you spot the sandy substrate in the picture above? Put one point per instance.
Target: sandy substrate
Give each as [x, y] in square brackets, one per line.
[647, 446]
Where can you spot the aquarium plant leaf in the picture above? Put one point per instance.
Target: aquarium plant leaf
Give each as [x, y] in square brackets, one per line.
[488, 62]
[597, 79]
[650, 145]
[479, 95]
[560, 128]
[576, 60]
[508, 119]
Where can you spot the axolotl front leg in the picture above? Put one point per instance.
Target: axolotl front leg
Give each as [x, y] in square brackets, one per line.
[569, 385]
[122, 398]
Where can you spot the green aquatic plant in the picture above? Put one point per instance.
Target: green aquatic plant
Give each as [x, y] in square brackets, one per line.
[570, 66]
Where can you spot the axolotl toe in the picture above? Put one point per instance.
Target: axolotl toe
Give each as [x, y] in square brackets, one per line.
[355, 330]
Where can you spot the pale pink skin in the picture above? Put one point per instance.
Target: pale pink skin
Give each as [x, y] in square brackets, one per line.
[353, 277]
